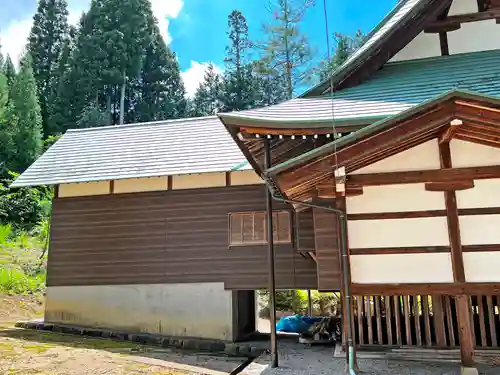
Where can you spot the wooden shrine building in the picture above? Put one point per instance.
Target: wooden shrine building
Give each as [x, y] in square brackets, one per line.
[413, 160]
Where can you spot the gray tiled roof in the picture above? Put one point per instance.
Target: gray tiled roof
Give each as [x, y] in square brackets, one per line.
[393, 89]
[137, 150]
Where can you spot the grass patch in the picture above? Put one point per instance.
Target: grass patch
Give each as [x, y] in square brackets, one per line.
[22, 266]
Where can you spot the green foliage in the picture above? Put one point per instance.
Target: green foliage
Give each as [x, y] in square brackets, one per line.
[9, 70]
[206, 101]
[287, 52]
[23, 208]
[159, 91]
[26, 120]
[239, 88]
[45, 45]
[91, 116]
[345, 46]
[296, 301]
[21, 271]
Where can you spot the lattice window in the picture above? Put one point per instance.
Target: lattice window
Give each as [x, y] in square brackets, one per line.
[250, 228]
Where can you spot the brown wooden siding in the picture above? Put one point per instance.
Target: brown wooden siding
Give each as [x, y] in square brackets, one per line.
[304, 227]
[165, 237]
[327, 252]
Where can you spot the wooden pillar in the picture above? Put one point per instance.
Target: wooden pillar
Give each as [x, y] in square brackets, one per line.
[340, 203]
[463, 307]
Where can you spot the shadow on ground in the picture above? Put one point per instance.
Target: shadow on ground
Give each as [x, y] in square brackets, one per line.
[46, 340]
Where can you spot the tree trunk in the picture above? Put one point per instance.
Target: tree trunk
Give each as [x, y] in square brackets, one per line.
[108, 105]
[122, 99]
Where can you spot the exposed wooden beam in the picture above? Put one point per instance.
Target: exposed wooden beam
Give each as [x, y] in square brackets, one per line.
[449, 186]
[307, 175]
[431, 175]
[451, 23]
[400, 250]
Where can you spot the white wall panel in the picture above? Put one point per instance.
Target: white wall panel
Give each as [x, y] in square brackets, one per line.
[480, 230]
[432, 231]
[422, 46]
[395, 198]
[463, 7]
[468, 154]
[401, 268]
[486, 193]
[483, 266]
[424, 156]
[474, 37]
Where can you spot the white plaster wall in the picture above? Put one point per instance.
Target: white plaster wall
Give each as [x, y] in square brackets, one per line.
[483, 266]
[432, 231]
[401, 268]
[480, 230]
[474, 37]
[486, 193]
[239, 178]
[193, 310]
[84, 189]
[424, 156]
[136, 185]
[395, 198]
[422, 46]
[463, 7]
[469, 154]
[199, 180]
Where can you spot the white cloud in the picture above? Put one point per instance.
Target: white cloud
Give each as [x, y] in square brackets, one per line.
[164, 10]
[193, 76]
[13, 38]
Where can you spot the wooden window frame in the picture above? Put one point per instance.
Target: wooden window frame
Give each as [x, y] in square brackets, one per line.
[276, 214]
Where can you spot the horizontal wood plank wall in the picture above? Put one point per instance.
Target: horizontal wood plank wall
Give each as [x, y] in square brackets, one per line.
[165, 237]
[304, 228]
[327, 252]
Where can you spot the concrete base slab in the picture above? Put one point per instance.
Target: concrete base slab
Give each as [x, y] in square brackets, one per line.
[469, 371]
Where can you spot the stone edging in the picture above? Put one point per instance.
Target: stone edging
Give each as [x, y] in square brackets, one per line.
[209, 346]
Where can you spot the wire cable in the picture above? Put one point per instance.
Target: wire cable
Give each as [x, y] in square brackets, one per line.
[332, 91]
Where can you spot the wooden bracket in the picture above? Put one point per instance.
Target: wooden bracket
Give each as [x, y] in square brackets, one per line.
[449, 186]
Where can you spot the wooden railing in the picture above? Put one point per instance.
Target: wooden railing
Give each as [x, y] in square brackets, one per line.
[424, 321]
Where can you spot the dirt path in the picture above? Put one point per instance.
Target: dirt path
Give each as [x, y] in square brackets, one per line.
[47, 353]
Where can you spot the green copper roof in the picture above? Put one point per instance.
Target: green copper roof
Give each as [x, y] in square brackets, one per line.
[375, 127]
[396, 87]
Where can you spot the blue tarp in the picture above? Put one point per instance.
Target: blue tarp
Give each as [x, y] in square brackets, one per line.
[296, 323]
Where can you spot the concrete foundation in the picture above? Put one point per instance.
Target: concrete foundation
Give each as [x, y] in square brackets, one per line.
[185, 310]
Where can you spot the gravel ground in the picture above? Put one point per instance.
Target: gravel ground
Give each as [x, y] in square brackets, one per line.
[296, 360]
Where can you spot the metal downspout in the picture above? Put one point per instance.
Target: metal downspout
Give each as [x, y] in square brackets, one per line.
[347, 270]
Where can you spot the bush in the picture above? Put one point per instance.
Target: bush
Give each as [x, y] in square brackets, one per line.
[14, 281]
[22, 264]
[24, 208]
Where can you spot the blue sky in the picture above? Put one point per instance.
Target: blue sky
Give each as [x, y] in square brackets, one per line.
[196, 29]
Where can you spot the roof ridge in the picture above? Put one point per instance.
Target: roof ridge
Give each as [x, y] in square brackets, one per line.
[139, 124]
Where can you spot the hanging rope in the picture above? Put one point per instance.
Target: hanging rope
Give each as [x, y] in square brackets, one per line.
[332, 90]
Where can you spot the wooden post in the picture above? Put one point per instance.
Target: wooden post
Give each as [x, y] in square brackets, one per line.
[271, 271]
[462, 302]
[340, 202]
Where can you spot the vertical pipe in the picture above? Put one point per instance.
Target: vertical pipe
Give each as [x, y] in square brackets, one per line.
[271, 276]
[309, 303]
